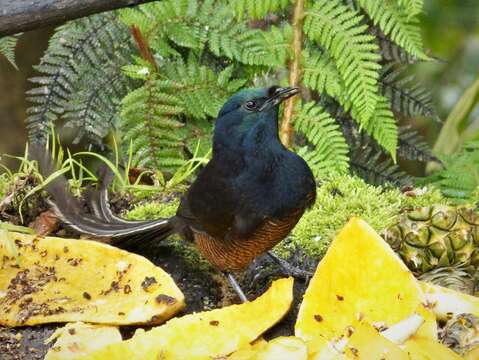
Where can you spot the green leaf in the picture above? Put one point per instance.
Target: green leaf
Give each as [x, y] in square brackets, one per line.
[257, 9]
[7, 48]
[329, 151]
[382, 127]
[339, 30]
[321, 74]
[455, 130]
[412, 7]
[398, 23]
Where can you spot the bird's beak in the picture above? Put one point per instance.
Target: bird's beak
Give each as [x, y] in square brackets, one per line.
[279, 95]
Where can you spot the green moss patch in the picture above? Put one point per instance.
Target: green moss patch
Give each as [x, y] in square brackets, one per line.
[153, 210]
[342, 197]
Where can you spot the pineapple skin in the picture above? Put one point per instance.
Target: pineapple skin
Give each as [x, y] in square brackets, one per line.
[439, 237]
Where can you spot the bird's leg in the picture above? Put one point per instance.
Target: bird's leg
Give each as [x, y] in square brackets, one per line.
[290, 269]
[236, 287]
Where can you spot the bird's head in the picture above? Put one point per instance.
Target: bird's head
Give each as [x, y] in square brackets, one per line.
[250, 109]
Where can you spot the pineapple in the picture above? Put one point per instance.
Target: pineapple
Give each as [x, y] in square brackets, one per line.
[461, 333]
[438, 236]
[457, 278]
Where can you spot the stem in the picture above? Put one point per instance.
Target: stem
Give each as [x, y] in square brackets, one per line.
[143, 47]
[295, 72]
[147, 54]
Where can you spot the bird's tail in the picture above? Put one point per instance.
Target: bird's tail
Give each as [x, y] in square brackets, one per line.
[102, 223]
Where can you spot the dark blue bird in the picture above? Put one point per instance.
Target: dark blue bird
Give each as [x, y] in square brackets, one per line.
[247, 198]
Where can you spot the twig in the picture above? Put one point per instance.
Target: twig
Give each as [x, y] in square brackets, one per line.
[286, 132]
[143, 47]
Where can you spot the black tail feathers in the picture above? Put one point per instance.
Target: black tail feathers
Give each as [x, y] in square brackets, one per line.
[102, 223]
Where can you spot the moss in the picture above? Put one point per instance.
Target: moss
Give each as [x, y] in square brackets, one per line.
[190, 254]
[4, 185]
[341, 198]
[153, 210]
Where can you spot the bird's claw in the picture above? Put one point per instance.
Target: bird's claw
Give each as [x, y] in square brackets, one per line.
[290, 269]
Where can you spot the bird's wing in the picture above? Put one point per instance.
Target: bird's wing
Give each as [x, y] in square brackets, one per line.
[211, 201]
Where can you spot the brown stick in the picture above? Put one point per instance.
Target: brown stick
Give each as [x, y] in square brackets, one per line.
[143, 47]
[23, 15]
[295, 72]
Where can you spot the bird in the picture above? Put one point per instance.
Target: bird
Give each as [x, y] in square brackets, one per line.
[245, 200]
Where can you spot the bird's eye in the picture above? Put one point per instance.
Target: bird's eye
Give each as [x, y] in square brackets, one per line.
[250, 105]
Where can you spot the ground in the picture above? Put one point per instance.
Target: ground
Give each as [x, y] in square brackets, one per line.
[203, 287]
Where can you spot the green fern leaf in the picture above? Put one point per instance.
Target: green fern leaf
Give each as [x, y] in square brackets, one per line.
[390, 51]
[459, 179]
[257, 9]
[321, 74]
[382, 127]
[7, 48]
[166, 116]
[338, 29]
[148, 121]
[412, 7]
[395, 22]
[329, 151]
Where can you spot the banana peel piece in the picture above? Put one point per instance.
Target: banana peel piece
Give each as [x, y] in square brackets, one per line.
[446, 303]
[359, 278]
[280, 348]
[77, 339]
[66, 280]
[206, 335]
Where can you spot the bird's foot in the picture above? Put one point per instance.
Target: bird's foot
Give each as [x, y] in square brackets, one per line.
[234, 284]
[289, 269]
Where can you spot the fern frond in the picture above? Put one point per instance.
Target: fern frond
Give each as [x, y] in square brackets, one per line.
[7, 48]
[459, 179]
[411, 146]
[248, 46]
[200, 89]
[395, 22]
[382, 127]
[321, 74]
[412, 7]
[329, 151]
[339, 30]
[390, 51]
[257, 9]
[406, 96]
[166, 21]
[153, 116]
[88, 51]
[148, 121]
[376, 169]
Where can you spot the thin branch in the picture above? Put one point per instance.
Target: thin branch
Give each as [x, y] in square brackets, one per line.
[23, 15]
[144, 47]
[295, 73]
